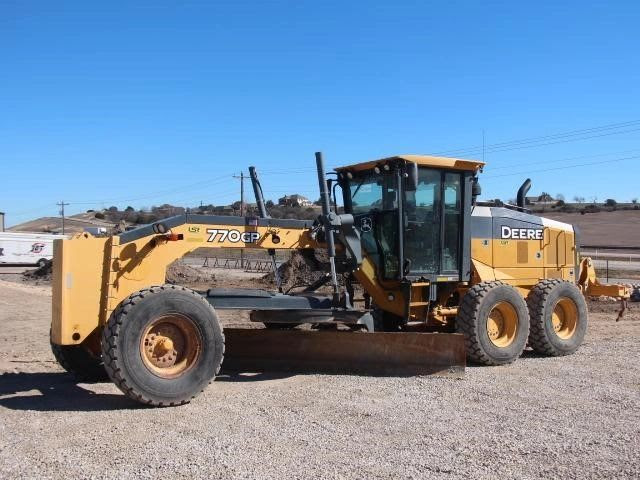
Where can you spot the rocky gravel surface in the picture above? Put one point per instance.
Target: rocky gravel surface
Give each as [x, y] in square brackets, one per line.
[571, 417]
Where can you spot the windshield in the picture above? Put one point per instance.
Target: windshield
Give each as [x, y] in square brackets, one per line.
[372, 191]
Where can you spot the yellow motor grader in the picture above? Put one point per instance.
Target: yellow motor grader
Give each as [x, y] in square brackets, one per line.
[421, 276]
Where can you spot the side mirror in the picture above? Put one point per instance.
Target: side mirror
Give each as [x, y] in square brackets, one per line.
[411, 180]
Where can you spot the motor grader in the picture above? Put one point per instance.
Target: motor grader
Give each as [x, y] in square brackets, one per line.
[420, 277]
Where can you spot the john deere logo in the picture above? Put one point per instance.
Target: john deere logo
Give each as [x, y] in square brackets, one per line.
[365, 224]
[521, 233]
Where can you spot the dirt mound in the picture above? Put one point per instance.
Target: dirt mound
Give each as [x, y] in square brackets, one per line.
[180, 274]
[302, 269]
[39, 275]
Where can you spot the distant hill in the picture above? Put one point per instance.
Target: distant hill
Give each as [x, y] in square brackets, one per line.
[72, 224]
[617, 228]
[111, 217]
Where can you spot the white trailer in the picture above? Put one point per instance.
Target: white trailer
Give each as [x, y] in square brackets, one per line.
[96, 231]
[26, 248]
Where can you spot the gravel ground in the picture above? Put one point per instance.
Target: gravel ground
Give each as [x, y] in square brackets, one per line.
[571, 417]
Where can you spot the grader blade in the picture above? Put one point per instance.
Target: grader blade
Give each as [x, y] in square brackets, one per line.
[338, 352]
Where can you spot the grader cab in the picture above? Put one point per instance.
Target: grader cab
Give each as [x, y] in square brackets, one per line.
[420, 273]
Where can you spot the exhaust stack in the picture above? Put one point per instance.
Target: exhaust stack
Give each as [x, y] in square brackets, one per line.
[522, 192]
[257, 191]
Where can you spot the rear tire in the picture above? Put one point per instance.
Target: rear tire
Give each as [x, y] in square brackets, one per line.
[559, 317]
[163, 345]
[80, 362]
[494, 319]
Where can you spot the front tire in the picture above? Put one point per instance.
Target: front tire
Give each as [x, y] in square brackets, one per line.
[494, 319]
[163, 345]
[559, 317]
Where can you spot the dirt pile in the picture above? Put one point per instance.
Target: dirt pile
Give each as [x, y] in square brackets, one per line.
[39, 275]
[180, 274]
[302, 269]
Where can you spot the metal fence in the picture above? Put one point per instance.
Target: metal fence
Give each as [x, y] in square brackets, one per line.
[615, 263]
[246, 264]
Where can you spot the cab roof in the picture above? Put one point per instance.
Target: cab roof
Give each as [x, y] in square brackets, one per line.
[421, 160]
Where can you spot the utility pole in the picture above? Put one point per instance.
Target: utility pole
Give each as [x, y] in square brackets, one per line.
[61, 204]
[241, 178]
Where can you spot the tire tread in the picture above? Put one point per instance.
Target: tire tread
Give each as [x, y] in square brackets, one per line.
[466, 323]
[112, 331]
[84, 369]
[536, 301]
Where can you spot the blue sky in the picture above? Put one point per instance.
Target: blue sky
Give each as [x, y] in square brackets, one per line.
[142, 103]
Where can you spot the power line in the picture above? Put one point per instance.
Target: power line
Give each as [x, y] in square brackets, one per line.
[505, 146]
[564, 141]
[491, 168]
[204, 183]
[564, 167]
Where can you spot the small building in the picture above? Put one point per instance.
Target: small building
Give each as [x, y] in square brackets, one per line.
[294, 200]
[1, 221]
[544, 199]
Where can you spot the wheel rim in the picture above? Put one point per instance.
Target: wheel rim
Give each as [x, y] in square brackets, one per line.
[170, 345]
[502, 324]
[564, 318]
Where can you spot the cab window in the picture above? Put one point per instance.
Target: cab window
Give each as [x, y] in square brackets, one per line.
[422, 233]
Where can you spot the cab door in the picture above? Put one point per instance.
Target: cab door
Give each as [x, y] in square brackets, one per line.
[433, 224]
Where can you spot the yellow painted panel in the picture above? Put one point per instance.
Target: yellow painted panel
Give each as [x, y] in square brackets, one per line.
[78, 288]
[506, 253]
[483, 271]
[520, 275]
[482, 250]
[367, 277]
